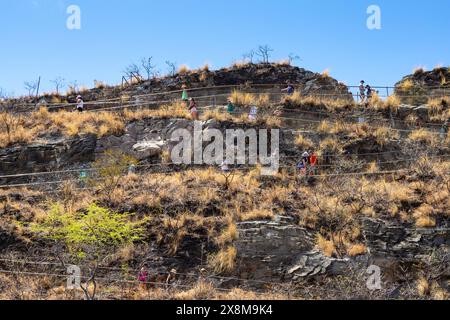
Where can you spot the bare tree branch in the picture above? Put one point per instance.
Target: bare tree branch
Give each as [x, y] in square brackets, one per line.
[148, 67]
[264, 53]
[172, 68]
[59, 83]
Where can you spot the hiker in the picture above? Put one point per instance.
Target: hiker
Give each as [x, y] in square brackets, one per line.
[184, 95]
[143, 278]
[313, 163]
[193, 109]
[80, 104]
[370, 92]
[303, 165]
[230, 107]
[362, 91]
[289, 90]
[252, 116]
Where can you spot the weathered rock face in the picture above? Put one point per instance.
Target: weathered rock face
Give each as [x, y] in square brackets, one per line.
[284, 251]
[416, 88]
[387, 239]
[280, 250]
[49, 156]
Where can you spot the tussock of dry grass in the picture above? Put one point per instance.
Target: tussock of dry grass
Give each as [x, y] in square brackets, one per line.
[224, 261]
[423, 136]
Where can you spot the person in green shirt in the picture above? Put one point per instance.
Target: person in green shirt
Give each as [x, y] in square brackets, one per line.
[230, 107]
[184, 95]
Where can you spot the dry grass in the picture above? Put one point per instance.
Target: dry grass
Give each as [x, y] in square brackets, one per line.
[257, 214]
[244, 99]
[357, 250]
[224, 261]
[184, 69]
[296, 100]
[304, 143]
[423, 136]
[406, 85]
[326, 246]
[240, 64]
[201, 291]
[423, 287]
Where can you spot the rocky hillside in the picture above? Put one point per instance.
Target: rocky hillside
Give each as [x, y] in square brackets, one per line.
[418, 87]
[268, 78]
[380, 197]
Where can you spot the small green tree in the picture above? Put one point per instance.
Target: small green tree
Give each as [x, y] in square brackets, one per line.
[89, 238]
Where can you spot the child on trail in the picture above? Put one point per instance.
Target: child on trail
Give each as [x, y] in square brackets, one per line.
[80, 104]
[193, 109]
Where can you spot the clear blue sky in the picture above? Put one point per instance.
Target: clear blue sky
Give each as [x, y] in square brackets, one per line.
[327, 34]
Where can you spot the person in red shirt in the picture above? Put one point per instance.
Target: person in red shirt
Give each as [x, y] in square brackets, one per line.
[313, 160]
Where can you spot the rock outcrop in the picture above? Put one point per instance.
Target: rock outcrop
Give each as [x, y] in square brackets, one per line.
[48, 156]
[416, 88]
[282, 250]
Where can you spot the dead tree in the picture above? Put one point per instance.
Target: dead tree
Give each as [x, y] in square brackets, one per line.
[172, 68]
[148, 67]
[31, 87]
[133, 71]
[59, 83]
[264, 53]
[293, 57]
[249, 56]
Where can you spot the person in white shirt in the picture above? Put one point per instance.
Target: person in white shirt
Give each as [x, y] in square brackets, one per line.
[80, 104]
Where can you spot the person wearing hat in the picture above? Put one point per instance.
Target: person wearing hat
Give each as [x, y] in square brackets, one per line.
[303, 165]
[362, 91]
[80, 104]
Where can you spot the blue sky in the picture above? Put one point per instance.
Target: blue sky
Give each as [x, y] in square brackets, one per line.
[326, 34]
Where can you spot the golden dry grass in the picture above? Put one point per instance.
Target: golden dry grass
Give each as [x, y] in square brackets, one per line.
[223, 261]
[326, 246]
[423, 136]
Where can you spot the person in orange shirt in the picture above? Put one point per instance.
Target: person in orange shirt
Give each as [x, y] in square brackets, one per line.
[313, 159]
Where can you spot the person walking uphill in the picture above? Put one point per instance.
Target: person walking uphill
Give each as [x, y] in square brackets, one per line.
[230, 107]
[289, 90]
[80, 104]
[184, 95]
[362, 91]
[143, 277]
[313, 159]
[193, 109]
